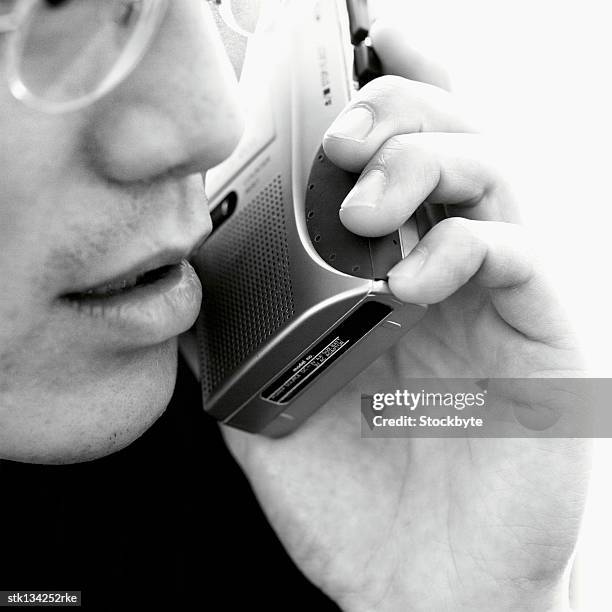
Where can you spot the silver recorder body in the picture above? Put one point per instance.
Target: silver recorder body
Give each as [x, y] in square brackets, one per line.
[294, 306]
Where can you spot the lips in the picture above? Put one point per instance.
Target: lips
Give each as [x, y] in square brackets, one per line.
[141, 275]
[151, 302]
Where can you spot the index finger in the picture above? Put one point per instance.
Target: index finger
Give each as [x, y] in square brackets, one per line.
[387, 107]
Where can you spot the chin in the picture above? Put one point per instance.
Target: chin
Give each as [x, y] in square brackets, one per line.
[97, 418]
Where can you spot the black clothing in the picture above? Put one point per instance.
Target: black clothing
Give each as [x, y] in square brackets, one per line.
[169, 522]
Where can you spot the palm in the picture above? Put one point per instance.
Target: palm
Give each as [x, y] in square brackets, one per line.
[366, 518]
[432, 523]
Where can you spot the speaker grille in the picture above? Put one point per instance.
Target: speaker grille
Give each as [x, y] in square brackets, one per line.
[246, 281]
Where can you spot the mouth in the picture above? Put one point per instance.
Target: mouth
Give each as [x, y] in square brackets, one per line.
[151, 302]
[122, 285]
[147, 273]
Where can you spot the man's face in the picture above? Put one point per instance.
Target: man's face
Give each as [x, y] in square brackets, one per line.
[91, 202]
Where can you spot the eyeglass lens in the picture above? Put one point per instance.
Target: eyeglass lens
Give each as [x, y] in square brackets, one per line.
[7, 6]
[243, 13]
[68, 48]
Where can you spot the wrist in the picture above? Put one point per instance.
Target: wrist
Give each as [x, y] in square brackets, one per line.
[554, 598]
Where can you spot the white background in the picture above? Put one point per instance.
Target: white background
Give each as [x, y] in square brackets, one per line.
[537, 76]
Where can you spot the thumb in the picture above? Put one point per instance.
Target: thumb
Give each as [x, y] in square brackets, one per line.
[399, 58]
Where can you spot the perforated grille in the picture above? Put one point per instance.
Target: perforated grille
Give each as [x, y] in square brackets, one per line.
[247, 285]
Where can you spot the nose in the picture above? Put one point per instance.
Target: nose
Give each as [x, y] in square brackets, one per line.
[178, 113]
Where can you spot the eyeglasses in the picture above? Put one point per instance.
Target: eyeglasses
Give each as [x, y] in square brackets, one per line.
[65, 54]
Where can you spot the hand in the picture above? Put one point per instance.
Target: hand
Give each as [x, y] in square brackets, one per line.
[432, 524]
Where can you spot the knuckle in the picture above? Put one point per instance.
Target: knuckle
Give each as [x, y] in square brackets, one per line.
[398, 151]
[393, 152]
[396, 92]
[461, 236]
[405, 149]
[455, 226]
[384, 86]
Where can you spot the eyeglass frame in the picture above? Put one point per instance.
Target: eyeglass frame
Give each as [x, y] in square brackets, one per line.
[128, 60]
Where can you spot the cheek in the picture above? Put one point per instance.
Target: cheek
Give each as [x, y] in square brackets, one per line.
[34, 151]
[70, 416]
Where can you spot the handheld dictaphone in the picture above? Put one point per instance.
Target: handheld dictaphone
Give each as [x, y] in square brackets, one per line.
[294, 305]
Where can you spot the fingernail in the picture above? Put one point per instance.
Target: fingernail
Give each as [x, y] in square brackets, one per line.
[355, 124]
[368, 191]
[411, 265]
